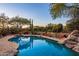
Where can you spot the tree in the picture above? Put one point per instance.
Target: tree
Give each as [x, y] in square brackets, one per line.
[54, 27]
[40, 29]
[64, 9]
[4, 22]
[57, 28]
[49, 27]
[3, 19]
[60, 27]
[73, 24]
[68, 10]
[19, 21]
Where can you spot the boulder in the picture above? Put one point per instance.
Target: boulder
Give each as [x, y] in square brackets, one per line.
[76, 48]
[73, 34]
[72, 41]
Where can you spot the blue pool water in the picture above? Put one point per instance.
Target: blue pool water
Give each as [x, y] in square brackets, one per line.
[37, 46]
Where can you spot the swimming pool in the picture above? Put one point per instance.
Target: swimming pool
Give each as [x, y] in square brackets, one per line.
[38, 46]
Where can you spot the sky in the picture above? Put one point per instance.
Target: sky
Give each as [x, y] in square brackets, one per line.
[39, 12]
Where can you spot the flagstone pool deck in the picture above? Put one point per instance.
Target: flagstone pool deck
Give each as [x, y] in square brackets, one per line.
[8, 48]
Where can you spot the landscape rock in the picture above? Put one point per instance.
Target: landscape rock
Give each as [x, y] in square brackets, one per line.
[72, 41]
[76, 48]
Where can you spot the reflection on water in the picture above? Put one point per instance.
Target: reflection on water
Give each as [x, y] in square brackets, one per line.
[37, 46]
[24, 42]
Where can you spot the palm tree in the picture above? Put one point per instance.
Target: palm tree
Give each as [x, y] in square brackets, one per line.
[64, 9]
